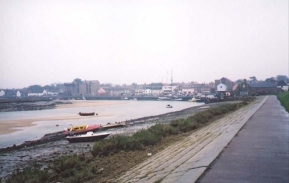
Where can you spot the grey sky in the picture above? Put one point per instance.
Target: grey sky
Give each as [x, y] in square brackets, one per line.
[122, 41]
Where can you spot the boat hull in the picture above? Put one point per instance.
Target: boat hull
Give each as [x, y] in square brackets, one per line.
[116, 125]
[86, 113]
[87, 138]
[92, 128]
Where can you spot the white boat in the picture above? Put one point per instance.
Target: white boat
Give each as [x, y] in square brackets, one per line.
[88, 137]
[193, 100]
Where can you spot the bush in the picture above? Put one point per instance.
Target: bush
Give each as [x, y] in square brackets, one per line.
[284, 99]
[162, 130]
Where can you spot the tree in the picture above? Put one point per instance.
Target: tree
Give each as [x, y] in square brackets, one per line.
[282, 77]
[253, 79]
[270, 80]
[35, 88]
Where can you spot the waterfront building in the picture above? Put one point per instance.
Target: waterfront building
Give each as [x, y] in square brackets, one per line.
[79, 87]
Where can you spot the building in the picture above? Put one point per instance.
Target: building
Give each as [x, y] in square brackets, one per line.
[264, 88]
[79, 87]
[2, 93]
[224, 87]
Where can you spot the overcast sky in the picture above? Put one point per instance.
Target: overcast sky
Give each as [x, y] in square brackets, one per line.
[122, 41]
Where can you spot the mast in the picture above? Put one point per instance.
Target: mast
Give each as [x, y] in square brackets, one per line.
[172, 81]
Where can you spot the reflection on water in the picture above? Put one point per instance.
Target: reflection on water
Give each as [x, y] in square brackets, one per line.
[109, 113]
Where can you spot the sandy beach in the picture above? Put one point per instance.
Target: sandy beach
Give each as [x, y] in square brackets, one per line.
[10, 126]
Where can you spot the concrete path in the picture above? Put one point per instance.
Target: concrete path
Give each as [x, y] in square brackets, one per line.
[185, 161]
[260, 152]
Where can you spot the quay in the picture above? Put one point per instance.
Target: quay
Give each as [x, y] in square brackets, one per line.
[248, 145]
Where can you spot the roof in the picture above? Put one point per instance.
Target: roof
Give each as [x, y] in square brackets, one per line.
[262, 85]
[282, 83]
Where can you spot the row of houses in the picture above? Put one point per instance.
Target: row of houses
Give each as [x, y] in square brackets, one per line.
[223, 87]
[154, 89]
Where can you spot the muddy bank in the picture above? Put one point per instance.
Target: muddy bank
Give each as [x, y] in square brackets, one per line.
[30, 106]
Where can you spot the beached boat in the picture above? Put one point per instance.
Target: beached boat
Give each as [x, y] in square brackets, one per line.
[169, 106]
[81, 129]
[114, 125]
[87, 113]
[88, 137]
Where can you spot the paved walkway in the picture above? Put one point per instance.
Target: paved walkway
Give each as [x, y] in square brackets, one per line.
[260, 151]
[185, 161]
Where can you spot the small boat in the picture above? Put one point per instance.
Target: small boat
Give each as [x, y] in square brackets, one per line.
[81, 129]
[169, 106]
[88, 137]
[87, 113]
[193, 100]
[114, 125]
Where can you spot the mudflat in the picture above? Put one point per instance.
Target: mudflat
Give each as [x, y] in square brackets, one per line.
[9, 126]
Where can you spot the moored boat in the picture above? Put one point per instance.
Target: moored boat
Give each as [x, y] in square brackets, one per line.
[81, 129]
[87, 113]
[88, 137]
[114, 125]
[169, 106]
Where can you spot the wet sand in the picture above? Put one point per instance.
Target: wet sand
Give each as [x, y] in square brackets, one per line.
[10, 126]
[89, 103]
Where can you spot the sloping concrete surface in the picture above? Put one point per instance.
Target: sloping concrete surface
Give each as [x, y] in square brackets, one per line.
[185, 161]
[260, 151]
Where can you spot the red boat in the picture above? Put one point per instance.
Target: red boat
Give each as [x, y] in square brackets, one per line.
[87, 113]
[81, 129]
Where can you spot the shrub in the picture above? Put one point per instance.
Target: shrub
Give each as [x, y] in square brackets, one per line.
[284, 99]
[163, 130]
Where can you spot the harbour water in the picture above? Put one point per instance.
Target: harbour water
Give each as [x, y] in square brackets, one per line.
[124, 110]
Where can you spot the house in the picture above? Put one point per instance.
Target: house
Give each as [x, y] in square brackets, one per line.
[18, 94]
[102, 91]
[188, 90]
[264, 88]
[243, 89]
[37, 93]
[2, 93]
[224, 87]
[283, 85]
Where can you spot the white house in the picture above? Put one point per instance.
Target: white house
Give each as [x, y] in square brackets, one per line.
[147, 91]
[38, 94]
[18, 94]
[188, 90]
[222, 87]
[2, 93]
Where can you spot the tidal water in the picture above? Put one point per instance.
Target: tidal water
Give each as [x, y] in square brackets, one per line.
[125, 110]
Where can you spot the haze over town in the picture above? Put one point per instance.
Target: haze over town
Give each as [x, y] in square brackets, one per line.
[126, 42]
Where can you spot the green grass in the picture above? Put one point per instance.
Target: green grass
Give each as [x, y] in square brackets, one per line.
[284, 99]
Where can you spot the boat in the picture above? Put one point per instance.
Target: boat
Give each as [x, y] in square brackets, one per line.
[193, 100]
[114, 125]
[81, 129]
[87, 113]
[169, 106]
[164, 98]
[88, 137]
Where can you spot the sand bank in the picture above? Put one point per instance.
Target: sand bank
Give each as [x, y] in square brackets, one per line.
[11, 126]
[89, 103]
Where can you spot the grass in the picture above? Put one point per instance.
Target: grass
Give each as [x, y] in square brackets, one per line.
[112, 157]
[284, 99]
